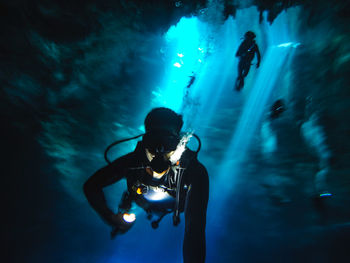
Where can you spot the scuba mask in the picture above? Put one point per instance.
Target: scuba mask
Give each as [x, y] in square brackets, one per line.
[159, 147]
[163, 150]
[160, 163]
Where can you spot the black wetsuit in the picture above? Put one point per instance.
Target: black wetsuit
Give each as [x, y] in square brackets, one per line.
[246, 52]
[195, 177]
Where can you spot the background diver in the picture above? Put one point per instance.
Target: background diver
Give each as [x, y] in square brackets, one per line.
[189, 84]
[246, 53]
[192, 79]
[160, 165]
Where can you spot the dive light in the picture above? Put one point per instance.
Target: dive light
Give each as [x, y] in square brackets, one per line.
[126, 222]
[129, 218]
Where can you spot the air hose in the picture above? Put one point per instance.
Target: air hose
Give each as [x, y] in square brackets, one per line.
[135, 137]
[117, 142]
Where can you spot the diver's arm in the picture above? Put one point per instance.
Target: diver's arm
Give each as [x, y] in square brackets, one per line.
[240, 50]
[195, 216]
[258, 55]
[93, 187]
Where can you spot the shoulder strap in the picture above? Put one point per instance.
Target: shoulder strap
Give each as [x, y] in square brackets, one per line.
[180, 171]
[176, 216]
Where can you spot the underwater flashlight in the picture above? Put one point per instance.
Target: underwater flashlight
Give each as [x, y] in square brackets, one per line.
[129, 218]
[126, 221]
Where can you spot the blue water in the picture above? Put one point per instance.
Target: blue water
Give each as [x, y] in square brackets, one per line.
[227, 122]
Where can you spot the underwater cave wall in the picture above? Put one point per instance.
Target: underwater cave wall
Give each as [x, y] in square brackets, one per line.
[69, 73]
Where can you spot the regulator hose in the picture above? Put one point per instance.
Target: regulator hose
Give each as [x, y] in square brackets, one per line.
[135, 137]
[117, 142]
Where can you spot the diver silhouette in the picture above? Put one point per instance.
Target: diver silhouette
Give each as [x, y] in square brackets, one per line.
[163, 176]
[192, 79]
[189, 84]
[246, 53]
[277, 108]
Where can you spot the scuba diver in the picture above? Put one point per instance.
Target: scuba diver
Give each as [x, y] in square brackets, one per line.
[246, 53]
[163, 176]
[190, 83]
[192, 79]
[277, 109]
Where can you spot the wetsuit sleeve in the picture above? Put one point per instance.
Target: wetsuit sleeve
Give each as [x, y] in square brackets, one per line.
[93, 187]
[240, 50]
[195, 215]
[257, 53]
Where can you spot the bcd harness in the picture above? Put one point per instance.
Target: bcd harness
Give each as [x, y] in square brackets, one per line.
[171, 183]
[156, 197]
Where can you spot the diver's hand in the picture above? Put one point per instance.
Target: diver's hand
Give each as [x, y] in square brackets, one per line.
[113, 220]
[118, 224]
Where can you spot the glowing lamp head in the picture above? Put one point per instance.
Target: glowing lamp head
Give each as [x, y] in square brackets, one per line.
[139, 191]
[129, 218]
